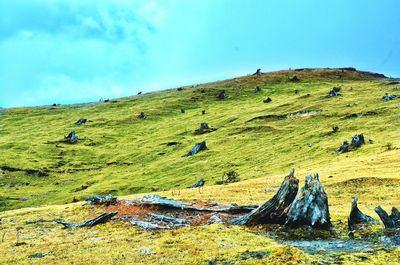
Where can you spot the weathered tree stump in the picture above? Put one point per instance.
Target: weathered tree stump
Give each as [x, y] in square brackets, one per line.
[71, 138]
[257, 89]
[199, 184]
[81, 121]
[390, 221]
[334, 92]
[345, 147]
[267, 100]
[388, 97]
[357, 140]
[275, 210]
[142, 116]
[197, 148]
[358, 218]
[310, 207]
[204, 128]
[222, 95]
[294, 79]
[258, 72]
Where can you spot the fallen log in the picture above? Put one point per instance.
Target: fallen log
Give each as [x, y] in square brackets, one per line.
[101, 219]
[389, 221]
[357, 217]
[275, 210]
[310, 207]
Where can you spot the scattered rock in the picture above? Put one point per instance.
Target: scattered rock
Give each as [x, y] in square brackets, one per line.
[257, 89]
[146, 251]
[203, 112]
[71, 138]
[197, 148]
[81, 121]
[267, 100]
[309, 144]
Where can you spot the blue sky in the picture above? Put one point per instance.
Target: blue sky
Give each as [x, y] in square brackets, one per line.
[71, 51]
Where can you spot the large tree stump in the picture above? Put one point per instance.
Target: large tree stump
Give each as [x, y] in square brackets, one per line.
[275, 210]
[390, 221]
[310, 207]
[357, 217]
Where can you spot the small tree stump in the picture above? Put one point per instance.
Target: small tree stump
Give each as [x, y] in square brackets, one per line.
[197, 148]
[258, 72]
[81, 121]
[310, 206]
[357, 140]
[294, 79]
[357, 217]
[71, 138]
[390, 221]
[334, 92]
[275, 210]
[222, 95]
[267, 100]
[142, 116]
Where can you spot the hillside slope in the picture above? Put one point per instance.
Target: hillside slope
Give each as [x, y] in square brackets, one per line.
[119, 153]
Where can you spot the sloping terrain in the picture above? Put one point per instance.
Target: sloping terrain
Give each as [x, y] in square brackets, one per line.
[119, 153]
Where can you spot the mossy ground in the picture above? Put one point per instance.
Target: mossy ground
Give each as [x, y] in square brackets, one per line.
[121, 154]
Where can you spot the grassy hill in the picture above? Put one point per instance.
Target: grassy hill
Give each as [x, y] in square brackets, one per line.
[119, 153]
